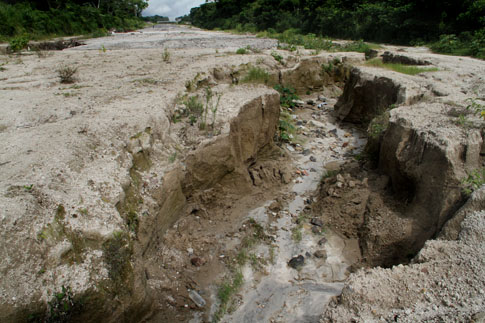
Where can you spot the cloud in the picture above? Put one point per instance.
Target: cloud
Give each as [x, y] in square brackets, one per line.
[170, 8]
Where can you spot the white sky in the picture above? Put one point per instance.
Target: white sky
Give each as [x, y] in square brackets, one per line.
[170, 8]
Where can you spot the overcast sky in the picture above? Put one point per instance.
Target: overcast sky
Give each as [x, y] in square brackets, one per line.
[170, 8]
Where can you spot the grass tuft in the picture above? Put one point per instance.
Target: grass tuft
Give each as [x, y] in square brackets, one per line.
[400, 68]
[256, 75]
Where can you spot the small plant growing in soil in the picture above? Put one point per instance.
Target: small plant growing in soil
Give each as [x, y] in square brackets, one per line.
[256, 75]
[241, 51]
[194, 108]
[166, 56]
[62, 306]
[210, 106]
[473, 181]
[287, 96]
[66, 74]
[476, 107]
[277, 57]
[226, 292]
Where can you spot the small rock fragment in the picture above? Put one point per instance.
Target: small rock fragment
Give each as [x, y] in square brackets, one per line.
[313, 159]
[296, 262]
[322, 98]
[317, 222]
[320, 253]
[316, 230]
[322, 241]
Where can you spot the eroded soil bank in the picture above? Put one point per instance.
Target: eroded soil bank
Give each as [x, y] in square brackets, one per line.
[156, 188]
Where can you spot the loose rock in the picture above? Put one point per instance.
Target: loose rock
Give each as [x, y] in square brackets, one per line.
[317, 222]
[296, 262]
[320, 253]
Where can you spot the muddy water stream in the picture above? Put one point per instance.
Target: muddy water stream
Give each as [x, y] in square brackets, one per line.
[280, 293]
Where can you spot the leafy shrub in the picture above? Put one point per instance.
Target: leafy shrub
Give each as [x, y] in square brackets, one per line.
[286, 127]
[18, 43]
[466, 44]
[287, 96]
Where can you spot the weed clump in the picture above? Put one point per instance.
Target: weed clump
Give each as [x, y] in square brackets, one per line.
[166, 56]
[277, 57]
[241, 51]
[473, 181]
[256, 75]
[66, 74]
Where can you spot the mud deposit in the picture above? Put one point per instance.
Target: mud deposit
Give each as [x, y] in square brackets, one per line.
[170, 182]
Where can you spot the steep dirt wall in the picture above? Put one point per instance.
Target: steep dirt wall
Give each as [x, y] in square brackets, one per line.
[366, 96]
[423, 164]
[327, 74]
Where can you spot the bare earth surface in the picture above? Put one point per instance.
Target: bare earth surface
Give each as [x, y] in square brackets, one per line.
[107, 186]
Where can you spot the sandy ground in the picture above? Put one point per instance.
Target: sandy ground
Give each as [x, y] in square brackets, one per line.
[73, 145]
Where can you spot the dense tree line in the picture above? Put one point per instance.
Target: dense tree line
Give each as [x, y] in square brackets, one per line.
[155, 18]
[390, 21]
[67, 17]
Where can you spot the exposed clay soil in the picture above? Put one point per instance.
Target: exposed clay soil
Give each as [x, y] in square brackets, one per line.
[113, 155]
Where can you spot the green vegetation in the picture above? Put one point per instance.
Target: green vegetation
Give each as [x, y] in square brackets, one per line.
[296, 234]
[166, 56]
[66, 74]
[400, 68]
[61, 306]
[242, 51]
[453, 27]
[226, 292]
[155, 19]
[194, 108]
[18, 43]
[286, 125]
[256, 75]
[26, 20]
[117, 253]
[473, 181]
[467, 44]
[211, 105]
[277, 57]
[287, 96]
[477, 108]
[256, 234]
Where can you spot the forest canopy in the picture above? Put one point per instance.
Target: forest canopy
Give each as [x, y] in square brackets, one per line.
[387, 21]
[37, 19]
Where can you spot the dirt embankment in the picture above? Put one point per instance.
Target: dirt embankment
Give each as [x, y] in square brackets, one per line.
[420, 153]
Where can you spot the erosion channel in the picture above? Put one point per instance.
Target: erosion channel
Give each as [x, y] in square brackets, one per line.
[178, 181]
